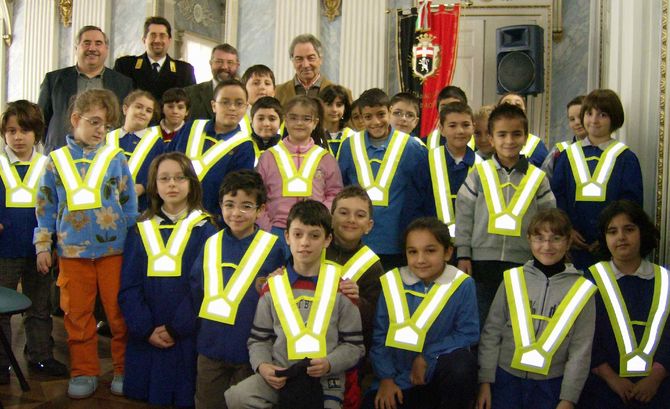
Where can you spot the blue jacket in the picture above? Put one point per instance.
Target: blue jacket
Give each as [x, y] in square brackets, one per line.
[457, 326]
[160, 376]
[91, 233]
[242, 157]
[221, 341]
[457, 174]
[409, 192]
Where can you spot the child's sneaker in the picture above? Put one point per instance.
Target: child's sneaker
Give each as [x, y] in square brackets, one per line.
[81, 387]
[117, 385]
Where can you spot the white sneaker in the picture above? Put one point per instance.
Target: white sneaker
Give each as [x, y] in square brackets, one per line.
[117, 385]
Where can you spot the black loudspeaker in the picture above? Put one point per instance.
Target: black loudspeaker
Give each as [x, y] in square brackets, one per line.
[520, 59]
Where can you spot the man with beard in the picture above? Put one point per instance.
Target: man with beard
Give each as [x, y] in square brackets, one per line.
[155, 71]
[224, 63]
[58, 87]
[306, 54]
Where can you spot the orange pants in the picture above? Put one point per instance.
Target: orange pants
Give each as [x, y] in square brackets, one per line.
[79, 281]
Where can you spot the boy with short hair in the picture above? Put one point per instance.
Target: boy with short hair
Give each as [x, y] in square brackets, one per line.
[447, 95]
[482, 142]
[574, 109]
[226, 280]
[266, 119]
[393, 168]
[496, 203]
[405, 112]
[175, 105]
[259, 81]
[218, 147]
[451, 164]
[317, 353]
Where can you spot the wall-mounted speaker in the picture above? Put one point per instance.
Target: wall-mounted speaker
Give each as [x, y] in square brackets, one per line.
[520, 59]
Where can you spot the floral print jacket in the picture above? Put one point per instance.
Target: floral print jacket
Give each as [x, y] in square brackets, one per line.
[90, 233]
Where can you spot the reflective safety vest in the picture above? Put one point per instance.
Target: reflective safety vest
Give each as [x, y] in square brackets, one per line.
[165, 260]
[531, 144]
[433, 140]
[148, 138]
[593, 188]
[561, 146]
[634, 359]
[535, 355]
[245, 124]
[220, 303]
[22, 193]
[439, 176]
[359, 263]
[377, 188]
[409, 332]
[297, 182]
[306, 340]
[334, 144]
[506, 219]
[204, 161]
[83, 195]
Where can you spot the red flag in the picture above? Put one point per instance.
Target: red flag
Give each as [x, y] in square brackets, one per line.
[444, 29]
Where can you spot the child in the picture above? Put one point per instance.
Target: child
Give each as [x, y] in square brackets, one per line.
[226, 295]
[579, 133]
[534, 149]
[451, 164]
[594, 172]
[217, 147]
[139, 143]
[155, 291]
[259, 81]
[328, 344]
[267, 115]
[495, 205]
[631, 347]
[90, 219]
[405, 112]
[536, 343]
[393, 168]
[356, 120]
[481, 117]
[21, 167]
[447, 95]
[425, 323]
[176, 106]
[337, 112]
[299, 166]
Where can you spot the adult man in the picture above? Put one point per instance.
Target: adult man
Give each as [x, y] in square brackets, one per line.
[224, 63]
[305, 53]
[155, 71]
[58, 87]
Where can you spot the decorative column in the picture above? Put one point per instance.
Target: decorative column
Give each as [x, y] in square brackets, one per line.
[294, 17]
[91, 13]
[40, 51]
[363, 56]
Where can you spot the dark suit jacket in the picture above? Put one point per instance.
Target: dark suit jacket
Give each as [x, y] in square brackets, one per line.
[58, 87]
[201, 96]
[285, 91]
[173, 73]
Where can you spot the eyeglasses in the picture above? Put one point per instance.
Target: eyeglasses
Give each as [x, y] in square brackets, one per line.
[243, 208]
[299, 118]
[227, 63]
[549, 240]
[167, 179]
[97, 123]
[410, 116]
[232, 104]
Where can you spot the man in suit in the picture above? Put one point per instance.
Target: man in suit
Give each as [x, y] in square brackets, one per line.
[155, 71]
[305, 53]
[61, 86]
[224, 63]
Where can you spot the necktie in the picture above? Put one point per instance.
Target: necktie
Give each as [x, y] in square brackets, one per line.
[155, 67]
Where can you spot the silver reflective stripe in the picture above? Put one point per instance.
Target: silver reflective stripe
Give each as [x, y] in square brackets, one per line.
[528, 189]
[282, 298]
[493, 192]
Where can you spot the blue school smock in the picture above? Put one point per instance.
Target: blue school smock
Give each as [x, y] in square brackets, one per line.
[128, 143]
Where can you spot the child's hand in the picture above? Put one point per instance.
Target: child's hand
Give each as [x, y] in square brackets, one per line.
[621, 386]
[484, 396]
[156, 338]
[565, 404]
[277, 272]
[418, 374]
[465, 265]
[645, 389]
[349, 288]
[44, 262]
[2, 227]
[165, 335]
[578, 241]
[267, 371]
[387, 394]
[318, 367]
[139, 189]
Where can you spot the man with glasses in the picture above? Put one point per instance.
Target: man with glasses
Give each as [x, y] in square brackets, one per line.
[306, 54]
[224, 63]
[58, 87]
[155, 71]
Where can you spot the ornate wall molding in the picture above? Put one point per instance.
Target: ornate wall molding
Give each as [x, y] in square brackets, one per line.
[293, 17]
[41, 56]
[662, 188]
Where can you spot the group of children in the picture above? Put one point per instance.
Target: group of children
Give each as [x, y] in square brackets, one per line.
[429, 243]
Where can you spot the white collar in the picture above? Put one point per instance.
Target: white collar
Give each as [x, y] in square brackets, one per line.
[160, 62]
[13, 158]
[447, 276]
[645, 271]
